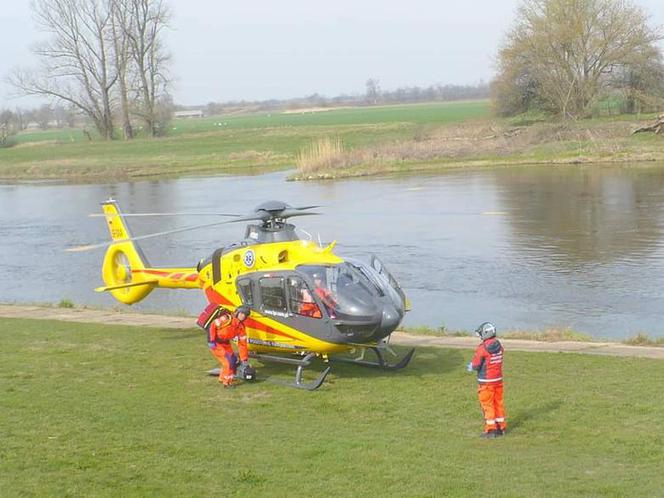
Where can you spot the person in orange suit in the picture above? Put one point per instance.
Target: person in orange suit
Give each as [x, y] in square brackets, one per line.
[307, 306]
[325, 295]
[221, 332]
[488, 363]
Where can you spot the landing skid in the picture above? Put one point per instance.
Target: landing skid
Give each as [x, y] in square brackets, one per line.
[300, 363]
[382, 362]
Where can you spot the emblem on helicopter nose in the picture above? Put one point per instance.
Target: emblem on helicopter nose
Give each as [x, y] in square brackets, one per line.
[249, 259]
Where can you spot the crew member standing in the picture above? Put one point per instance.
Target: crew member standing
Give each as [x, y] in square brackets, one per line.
[221, 332]
[488, 363]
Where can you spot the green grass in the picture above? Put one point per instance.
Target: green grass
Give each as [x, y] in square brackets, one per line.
[90, 410]
[375, 140]
[254, 142]
[554, 334]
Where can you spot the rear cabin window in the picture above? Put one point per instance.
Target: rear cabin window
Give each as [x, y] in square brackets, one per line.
[273, 294]
[246, 289]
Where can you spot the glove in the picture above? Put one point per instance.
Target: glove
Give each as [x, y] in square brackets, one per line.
[469, 367]
[211, 345]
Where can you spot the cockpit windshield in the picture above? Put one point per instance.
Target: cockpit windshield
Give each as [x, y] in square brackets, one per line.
[344, 290]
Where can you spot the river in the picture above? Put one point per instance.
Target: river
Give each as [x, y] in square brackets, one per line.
[524, 247]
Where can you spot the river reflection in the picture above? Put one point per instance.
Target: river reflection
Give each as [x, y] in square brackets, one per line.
[584, 215]
[524, 247]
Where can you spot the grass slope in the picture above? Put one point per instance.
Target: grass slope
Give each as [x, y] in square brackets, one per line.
[117, 411]
[222, 144]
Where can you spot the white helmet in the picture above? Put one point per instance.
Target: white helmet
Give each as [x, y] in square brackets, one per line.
[486, 331]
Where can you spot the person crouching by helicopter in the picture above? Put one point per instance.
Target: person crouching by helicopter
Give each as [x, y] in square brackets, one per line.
[222, 330]
[488, 363]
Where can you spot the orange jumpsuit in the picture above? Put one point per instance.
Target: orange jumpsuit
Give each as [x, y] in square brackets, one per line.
[328, 300]
[308, 307]
[219, 337]
[488, 362]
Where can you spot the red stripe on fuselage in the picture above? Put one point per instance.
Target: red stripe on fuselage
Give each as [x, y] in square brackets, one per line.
[152, 272]
[191, 277]
[214, 297]
[255, 324]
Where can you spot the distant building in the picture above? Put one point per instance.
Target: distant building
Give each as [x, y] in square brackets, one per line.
[188, 114]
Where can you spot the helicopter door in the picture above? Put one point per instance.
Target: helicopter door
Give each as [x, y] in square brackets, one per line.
[216, 266]
[378, 265]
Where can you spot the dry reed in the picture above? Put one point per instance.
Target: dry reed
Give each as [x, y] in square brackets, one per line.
[321, 154]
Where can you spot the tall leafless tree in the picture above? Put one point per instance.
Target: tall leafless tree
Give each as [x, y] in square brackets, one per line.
[373, 91]
[77, 62]
[103, 56]
[143, 22]
[122, 63]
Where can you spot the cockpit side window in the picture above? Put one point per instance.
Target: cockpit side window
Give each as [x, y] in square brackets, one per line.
[273, 294]
[246, 289]
[301, 301]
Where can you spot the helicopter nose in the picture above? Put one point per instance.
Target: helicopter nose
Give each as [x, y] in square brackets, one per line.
[390, 320]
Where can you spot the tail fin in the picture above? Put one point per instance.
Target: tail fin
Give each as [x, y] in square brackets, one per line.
[122, 259]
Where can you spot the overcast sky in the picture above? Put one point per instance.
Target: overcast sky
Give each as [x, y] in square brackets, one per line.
[259, 49]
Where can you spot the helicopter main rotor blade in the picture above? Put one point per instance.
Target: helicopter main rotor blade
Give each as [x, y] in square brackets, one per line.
[90, 247]
[306, 207]
[102, 215]
[290, 213]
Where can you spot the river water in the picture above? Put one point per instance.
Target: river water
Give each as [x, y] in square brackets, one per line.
[524, 247]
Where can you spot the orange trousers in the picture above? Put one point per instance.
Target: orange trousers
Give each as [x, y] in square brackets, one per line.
[491, 401]
[226, 356]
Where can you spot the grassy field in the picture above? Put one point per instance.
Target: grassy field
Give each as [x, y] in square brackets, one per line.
[488, 142]
[90, 410]
[241, 143]
[332, 144]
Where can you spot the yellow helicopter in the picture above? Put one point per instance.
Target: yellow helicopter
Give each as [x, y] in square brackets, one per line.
[306, 302]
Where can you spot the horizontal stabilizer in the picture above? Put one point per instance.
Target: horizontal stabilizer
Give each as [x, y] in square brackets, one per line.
[124, 286]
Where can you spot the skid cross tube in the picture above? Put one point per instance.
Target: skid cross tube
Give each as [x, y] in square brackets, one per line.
[300, 363]
[382, 362]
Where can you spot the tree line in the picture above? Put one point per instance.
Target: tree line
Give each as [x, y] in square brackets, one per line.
[373, 96]
[563, 57]
[45, 116]
[105, 58]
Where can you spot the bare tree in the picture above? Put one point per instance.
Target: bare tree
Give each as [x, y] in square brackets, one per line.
[7, 118]
[20, 119]
[64, 116]
[373, 90]
[561, 53]
[44, 116]
[143, 22]
[77, 64]
[119, 19]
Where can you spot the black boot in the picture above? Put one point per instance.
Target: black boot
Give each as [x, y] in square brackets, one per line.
[489, 435]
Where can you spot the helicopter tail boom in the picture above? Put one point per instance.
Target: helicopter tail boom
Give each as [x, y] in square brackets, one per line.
[125, 270]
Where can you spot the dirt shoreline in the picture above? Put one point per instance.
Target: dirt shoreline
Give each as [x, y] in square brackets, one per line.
[84, 315]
